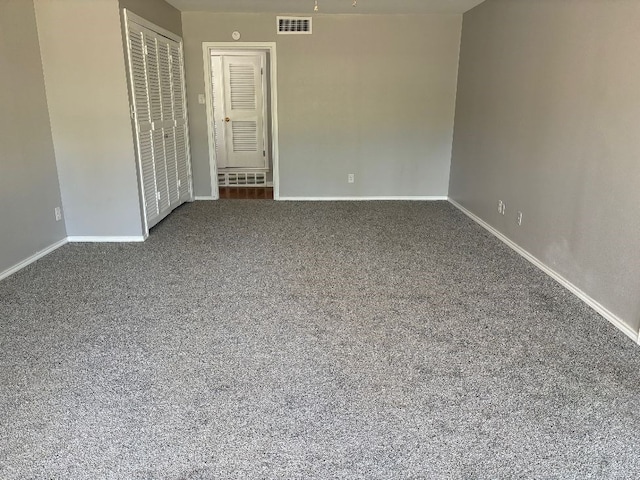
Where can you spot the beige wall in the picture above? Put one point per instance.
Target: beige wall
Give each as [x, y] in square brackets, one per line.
[365, 94]
[158, 12]
[84, 69]
[29, 189]
[547, 120]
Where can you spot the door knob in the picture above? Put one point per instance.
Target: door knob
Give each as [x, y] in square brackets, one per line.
[227, 119]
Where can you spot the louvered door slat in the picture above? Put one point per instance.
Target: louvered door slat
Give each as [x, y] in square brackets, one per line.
[177, 83]
[139, 76]
[162, 188]
[166, 94]
[172, 167]
[183, 165]
[243, 87]
[153, 78]
[245, 136]
[148, 176]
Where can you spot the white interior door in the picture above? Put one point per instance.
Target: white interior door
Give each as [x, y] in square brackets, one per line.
[183, 162]
[168, 125]
[144, 125]
[239, 88]
[154, 62]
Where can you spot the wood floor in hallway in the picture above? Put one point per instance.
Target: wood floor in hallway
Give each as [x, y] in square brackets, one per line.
[249, 193]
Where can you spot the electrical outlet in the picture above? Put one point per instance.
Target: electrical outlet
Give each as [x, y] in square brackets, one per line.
[57, 212]
[351, 178]
[499, 206]
[519, 218]
[201, 99]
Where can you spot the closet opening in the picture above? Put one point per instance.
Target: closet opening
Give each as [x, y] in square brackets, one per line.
[155, 69]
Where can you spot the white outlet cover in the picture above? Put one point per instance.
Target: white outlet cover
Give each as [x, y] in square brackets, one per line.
[201, 99]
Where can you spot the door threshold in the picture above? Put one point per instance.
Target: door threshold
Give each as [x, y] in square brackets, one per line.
[246, 193]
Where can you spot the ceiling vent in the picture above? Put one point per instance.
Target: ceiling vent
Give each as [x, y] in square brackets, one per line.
[294, 25]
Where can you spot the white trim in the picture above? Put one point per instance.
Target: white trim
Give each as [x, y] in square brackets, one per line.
[90, 239]
[204, 198]
[361, 199]
[595, 305]
[187, 135]
[270, 47]
[36, 256]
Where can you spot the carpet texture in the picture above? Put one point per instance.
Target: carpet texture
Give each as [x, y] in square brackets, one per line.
[257, 339]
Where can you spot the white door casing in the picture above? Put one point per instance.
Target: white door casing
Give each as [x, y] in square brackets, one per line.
[217, 48]
[239, 108]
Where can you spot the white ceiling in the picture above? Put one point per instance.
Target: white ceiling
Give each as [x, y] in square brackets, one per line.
[327, 6]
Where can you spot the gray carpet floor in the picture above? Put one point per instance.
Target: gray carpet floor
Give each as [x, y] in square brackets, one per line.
[257, 339]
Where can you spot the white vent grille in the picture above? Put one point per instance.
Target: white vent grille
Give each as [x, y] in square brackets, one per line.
[242, 179]
[294, 25]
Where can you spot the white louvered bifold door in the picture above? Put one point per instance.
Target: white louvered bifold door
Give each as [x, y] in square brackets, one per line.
[157, 89]
[244, 122]
[155, 101]
[168, 124]
[183, 162]
[140, 89]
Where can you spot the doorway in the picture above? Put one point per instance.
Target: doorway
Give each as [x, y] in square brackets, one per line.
[242, 119]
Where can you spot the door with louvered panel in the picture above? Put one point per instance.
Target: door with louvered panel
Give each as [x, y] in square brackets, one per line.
[167, 123]
[183, 163]
[240, 117]
[156, 74]
[140, 86]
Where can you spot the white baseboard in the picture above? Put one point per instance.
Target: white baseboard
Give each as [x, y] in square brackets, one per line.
[360, 199]
[32, 258]
[64, 241]
[595, 305]
[204, 198]
[106, 239]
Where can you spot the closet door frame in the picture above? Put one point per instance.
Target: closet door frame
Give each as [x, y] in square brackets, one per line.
[127, 18]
